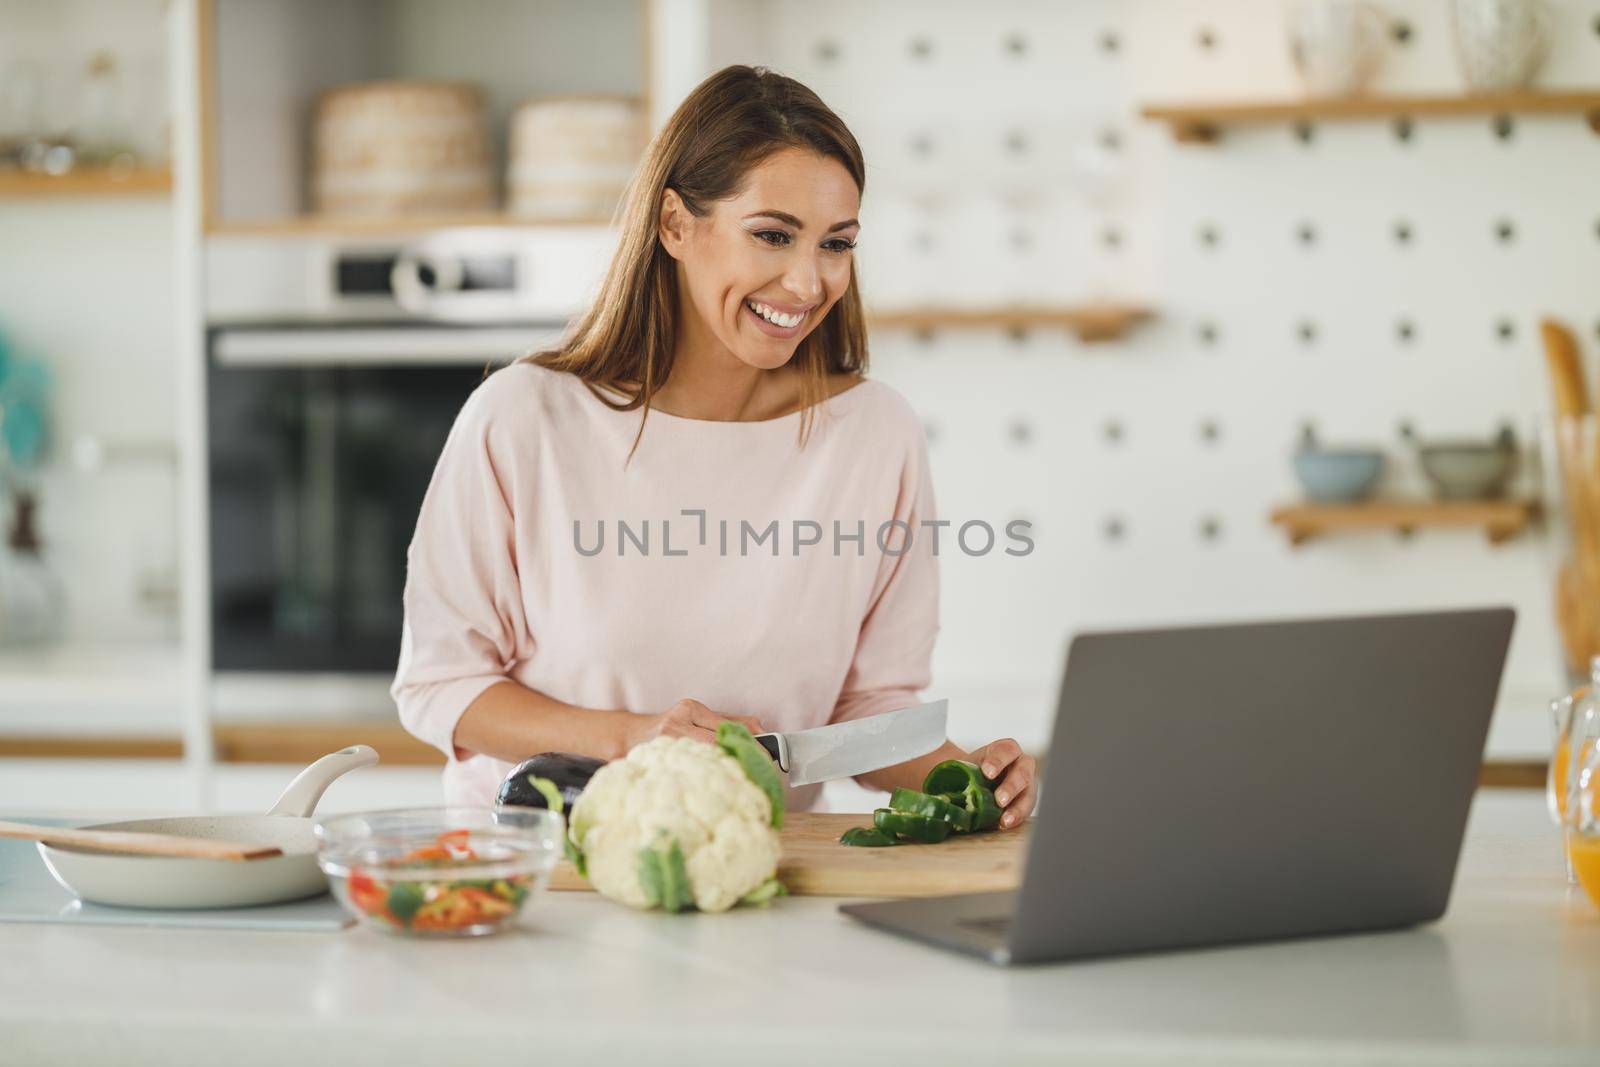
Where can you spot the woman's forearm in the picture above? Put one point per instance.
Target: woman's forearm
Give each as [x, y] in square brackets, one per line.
[512, 722]
[910, 773]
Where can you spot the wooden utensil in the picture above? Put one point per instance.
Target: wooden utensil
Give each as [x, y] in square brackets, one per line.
[1578, 585]
[815, 864]
[1572, 620]
[142, 843]
[1566, 369]
[1578, 461]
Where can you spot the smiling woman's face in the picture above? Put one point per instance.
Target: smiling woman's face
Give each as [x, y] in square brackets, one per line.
[764, 267]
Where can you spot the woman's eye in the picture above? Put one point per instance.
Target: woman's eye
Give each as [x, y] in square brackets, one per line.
[779, 239]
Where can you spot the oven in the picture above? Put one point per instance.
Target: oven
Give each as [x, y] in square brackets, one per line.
[325, 417]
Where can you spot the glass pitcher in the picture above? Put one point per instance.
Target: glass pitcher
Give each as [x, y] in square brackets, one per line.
[1576, 719]
[1583, 824]
[1577, 740]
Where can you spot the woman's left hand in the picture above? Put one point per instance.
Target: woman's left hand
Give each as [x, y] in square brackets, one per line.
[1016, 771]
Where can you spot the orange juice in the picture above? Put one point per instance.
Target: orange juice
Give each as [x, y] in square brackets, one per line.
[1585, 854]
[1559, 773]
[1560, 776]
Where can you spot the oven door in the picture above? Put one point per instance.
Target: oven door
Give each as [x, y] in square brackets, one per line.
[321, 444]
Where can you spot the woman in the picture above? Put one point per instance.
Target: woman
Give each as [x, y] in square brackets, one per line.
[771, 554]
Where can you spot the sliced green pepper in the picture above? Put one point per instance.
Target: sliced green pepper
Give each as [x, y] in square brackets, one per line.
[934, 807]
[918, 828]
[867, 837]
[985, 809]
[956, 778]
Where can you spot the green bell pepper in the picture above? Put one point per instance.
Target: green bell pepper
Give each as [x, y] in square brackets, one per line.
[934, 807]
[868, 837]
[965, 786]
[919, 828]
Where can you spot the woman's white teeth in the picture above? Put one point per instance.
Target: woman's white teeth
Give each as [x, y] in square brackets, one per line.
[777, 318]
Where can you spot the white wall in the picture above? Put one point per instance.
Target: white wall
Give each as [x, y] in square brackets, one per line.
[50, 44]
[86, 286]
[1021, 428]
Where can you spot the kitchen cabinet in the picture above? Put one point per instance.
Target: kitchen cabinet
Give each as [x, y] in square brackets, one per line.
[263, 64]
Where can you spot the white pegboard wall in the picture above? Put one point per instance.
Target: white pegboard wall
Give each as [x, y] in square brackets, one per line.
[1354, 275]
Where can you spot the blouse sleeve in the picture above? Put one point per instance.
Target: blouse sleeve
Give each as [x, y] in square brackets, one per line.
[894, 650]
[462, 601]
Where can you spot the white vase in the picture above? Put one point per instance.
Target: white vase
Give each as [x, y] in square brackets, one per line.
[1500, 43]
[1336, 44]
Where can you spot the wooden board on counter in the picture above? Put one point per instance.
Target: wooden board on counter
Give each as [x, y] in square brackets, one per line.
[815, 864]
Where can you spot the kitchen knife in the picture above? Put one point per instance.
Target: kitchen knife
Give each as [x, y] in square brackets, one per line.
[858, 746]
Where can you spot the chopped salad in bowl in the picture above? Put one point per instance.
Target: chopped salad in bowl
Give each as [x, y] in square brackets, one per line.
[440, 871]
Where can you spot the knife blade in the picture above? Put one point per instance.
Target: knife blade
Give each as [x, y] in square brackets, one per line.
[849, 748]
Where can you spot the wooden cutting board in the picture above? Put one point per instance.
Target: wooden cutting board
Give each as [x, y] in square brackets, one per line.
[815, 864]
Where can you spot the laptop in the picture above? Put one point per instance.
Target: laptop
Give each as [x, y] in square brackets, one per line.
[1220, 784]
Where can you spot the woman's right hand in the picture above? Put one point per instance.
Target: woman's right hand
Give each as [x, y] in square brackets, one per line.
[686, 718]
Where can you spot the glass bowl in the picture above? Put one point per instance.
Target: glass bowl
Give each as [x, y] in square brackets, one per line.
[439, 872]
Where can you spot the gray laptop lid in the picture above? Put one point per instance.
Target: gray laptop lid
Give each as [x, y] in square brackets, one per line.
[1230, 783]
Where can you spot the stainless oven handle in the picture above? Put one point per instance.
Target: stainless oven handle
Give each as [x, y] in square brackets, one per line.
[405, 279]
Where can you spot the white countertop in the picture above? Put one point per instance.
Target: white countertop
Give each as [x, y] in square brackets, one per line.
[1510, 975]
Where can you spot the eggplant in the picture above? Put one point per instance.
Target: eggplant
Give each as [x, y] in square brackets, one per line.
[568, 772]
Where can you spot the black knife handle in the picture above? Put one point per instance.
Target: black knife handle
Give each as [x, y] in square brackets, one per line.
[773, 743]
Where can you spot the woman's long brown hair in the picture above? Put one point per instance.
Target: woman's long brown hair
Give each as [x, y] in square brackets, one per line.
[729, 124]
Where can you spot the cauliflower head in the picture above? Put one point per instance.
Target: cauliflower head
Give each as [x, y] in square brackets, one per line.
[677, 820]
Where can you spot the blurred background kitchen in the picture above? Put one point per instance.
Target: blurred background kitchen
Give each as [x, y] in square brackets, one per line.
[1249, 306]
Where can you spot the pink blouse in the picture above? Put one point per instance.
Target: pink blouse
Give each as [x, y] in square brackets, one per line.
[724, 563]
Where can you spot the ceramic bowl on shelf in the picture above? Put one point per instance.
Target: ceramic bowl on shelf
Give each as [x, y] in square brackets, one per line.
[1339, 476]
[1469, 470]
[1336, 475]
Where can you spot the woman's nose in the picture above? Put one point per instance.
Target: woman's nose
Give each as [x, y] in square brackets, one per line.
[804, 281]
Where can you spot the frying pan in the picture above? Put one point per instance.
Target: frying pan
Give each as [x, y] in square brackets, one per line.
[182, 882]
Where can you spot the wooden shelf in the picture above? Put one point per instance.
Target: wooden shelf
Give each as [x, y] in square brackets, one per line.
[1093, 322]
[143, 182]
[1202, 123]
[380, 225]
[236, 742]
[1501, 520]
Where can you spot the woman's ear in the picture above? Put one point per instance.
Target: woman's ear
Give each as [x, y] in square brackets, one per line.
[673, 225]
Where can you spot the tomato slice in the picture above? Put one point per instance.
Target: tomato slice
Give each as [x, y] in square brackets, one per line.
[367, 894]
[423, 855]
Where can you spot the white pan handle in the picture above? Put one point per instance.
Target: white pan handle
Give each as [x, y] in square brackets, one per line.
[300, 799]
